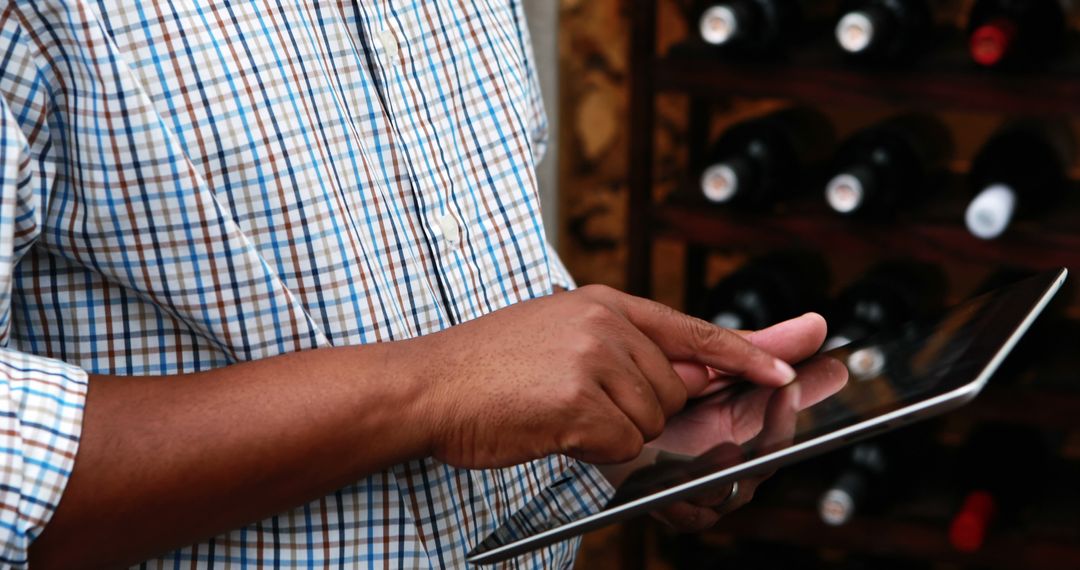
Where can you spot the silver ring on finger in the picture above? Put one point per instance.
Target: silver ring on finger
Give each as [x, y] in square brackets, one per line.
[731, 496]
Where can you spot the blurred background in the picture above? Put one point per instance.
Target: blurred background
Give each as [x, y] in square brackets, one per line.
[874, 160]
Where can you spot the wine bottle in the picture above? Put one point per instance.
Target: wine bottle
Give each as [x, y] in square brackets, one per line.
[871, 475]
[767, 290]
[883, 30]
[1020, 173]
[1013, 33]
[1000, 470]
[753, 27]
[892, 165]
[858, 486]
[758, 162]
[889, 295]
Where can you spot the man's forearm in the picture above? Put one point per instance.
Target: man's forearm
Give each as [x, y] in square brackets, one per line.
[168, 461]
[165, 462]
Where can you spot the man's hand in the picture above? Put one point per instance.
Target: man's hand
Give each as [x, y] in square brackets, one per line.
[586, 373]
[730, 415]
[726, 412]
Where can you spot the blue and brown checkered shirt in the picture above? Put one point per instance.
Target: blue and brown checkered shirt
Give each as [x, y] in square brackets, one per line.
[186, 185]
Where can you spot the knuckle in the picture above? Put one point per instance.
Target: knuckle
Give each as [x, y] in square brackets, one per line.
[701, 333]
[696, 520]
[688, 521]
[571, 444]
[574, 394]
[595, 313]
[587, 346]
[654, 426]
[668, 312]
[630, 446]
[621, 445]
[708, 520]
[676, 399]
[598, 290]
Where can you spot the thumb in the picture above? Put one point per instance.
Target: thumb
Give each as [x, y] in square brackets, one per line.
[695, 376]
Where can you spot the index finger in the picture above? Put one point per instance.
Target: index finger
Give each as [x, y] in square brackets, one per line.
[682, 337]
[793, 340]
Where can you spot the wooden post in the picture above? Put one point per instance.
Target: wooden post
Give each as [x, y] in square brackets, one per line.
[696, 254]
[642, 130]
[643, 14]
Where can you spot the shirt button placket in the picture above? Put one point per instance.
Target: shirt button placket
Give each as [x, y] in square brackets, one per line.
[451, 229]
[389, 46]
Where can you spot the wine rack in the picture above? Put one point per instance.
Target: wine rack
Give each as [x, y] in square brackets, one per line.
[815, 76]
[812, 74]
[938, 241]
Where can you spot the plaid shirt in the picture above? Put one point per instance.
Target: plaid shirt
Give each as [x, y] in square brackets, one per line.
[187, 185]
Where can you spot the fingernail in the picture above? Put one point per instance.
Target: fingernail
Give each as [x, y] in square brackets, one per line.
[784, 371]
[796, 396]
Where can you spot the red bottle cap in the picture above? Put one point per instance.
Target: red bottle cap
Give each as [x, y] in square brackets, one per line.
[991, 42]
[969, 527]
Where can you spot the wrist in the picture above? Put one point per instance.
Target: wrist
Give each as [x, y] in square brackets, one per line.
[391, 398]
[422, 396]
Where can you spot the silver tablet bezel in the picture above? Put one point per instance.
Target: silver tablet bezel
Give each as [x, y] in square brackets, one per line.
[769, 462]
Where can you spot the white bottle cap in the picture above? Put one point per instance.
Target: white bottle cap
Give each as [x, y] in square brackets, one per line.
[836, 507]
[855, 31]
[728, 320]
[989, 214]
[719, 24]
[866, 363]
[720, 182]
[845, 193]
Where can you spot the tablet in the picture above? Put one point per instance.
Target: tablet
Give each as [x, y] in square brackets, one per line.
[866, 388]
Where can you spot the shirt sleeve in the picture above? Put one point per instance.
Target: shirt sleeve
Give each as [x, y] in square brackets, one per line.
[560, 275]
[580, 491]
[537, 114]
[41, 400]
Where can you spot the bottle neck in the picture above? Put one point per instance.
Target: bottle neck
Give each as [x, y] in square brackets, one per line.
[993, 42]
[991, 212]
[722, 24]
[849, 191]
[972, 522]
[860, 484]
[837, 507]
[725, 181]
[867, 363]
[844, 498]
[862, 31]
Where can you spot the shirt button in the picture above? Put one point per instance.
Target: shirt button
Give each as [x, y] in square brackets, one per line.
[389, 45]
[451, 231]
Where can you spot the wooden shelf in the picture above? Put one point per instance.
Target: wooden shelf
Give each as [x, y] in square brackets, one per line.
[817, 75]
[889, 537]
[1047, 246]
[1039, 408]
